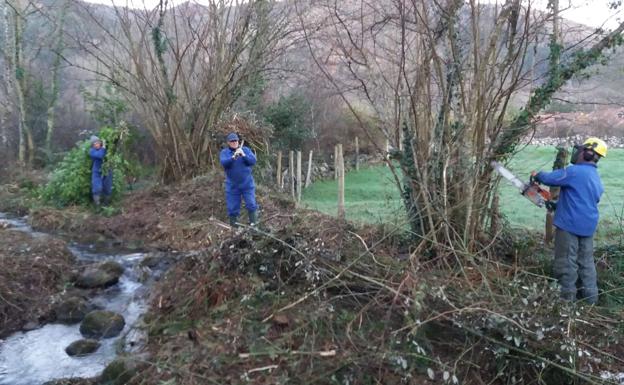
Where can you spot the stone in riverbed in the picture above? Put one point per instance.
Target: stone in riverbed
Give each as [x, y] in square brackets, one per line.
[119, 372]
[31, 325]
[72, 381]
[103, 275]
[71, 311]
[102, 324]
[112, 267]
[82, 347]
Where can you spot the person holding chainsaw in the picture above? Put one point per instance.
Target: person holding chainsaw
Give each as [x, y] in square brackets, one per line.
[576, 219]
[238, 162]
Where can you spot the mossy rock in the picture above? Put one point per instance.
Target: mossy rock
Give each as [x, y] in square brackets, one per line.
[152, 260]
[82, 347]
[71, 381]
[118, 372]
[102, 324]
[103, 275]
[112, 267]
[71, 311]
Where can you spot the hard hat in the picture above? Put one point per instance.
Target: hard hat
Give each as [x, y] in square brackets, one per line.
[596, 145]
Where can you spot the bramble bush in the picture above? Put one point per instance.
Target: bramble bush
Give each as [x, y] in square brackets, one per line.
[70, 183]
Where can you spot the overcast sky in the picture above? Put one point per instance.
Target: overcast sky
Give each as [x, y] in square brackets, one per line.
[590, 12]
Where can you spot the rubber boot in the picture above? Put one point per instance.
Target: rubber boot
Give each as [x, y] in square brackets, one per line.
[107, 200]
[233, 222]
[253, 218]
[96, 200]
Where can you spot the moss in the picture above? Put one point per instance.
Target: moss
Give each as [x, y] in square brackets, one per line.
[119, 372]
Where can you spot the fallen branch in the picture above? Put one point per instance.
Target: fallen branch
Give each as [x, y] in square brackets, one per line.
[321, 353]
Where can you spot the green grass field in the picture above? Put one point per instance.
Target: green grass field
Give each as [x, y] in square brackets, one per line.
[371, 195]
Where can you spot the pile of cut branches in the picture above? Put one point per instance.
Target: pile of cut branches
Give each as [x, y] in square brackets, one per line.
[302, 306]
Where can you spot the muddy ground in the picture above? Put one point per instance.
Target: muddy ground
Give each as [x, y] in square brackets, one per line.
[190, 216]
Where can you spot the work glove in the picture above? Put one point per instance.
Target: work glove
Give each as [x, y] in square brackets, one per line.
[533, 178]
[551, 205]
[239, 152]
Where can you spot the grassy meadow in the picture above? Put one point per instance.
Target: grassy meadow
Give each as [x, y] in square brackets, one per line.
[371, 194]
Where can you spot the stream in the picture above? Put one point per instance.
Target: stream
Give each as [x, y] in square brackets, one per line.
[38, 356]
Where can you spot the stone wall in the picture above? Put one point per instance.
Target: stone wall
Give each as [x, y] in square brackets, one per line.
[612, 141]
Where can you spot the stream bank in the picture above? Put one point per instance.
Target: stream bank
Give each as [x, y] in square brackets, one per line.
[44, 275]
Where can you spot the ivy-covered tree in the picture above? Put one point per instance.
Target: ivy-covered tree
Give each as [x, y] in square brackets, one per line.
[442, 76]
[288, 116]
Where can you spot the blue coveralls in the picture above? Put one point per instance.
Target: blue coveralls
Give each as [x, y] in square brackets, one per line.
[100, 184]
[238, 181]
[576, 219]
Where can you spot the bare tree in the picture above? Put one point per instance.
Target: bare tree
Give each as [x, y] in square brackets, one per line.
[16, 17]
[441, 75]
[182, 67]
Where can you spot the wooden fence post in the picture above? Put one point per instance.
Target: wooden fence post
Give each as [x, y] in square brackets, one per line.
[341, 184]
[357, 154]
[291, 172]
[299, 184]
[309, 173]
[279, 169]
[336, 162]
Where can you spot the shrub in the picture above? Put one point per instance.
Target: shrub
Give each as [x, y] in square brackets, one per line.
[70, 183]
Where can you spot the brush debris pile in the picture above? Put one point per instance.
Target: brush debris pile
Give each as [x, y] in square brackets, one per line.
[33, 270]
[301, 305]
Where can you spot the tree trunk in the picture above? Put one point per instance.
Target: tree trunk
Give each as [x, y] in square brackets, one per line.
[341, 183]
[56, 69]
[560, 162]
[5, 113]
[26, 150]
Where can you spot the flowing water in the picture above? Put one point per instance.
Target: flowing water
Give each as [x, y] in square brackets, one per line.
[37, 356]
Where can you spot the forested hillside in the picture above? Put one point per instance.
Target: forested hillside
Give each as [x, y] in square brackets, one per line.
[69, 86]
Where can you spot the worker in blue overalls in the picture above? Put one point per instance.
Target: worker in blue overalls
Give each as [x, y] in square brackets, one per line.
[101, 183]
[238, 162]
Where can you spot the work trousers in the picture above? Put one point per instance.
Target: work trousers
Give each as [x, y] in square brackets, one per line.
[101, 185]
[233, 197]
[574, 266]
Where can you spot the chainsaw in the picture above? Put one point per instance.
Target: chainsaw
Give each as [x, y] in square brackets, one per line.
[532, 190]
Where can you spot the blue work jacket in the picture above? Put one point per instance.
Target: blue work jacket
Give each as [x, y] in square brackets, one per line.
[98, 158]
[238, 171]
[581, 188]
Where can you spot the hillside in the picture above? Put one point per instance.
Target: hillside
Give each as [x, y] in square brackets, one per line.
[86, 35]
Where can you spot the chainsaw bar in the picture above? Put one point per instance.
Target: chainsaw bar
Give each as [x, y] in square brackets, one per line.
[532, 192]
